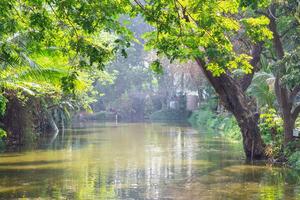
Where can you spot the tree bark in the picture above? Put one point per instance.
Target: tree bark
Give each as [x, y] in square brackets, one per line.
[288, 113]
[284, 97]
[233, 97]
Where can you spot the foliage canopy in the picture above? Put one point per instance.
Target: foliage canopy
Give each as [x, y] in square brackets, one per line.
[214, 31]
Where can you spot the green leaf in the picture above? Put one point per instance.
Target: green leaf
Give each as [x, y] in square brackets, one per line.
[156, 67]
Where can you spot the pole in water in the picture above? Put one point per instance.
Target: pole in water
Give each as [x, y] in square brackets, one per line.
[252, 151]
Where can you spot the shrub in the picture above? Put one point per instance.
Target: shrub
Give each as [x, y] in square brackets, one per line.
[3, 102]
[201, 117]
[224, 123]
[229, 128]
[294, 160]
[101, 116]
[2, 133]
[2, 136]
[271, 128]
[170, 115]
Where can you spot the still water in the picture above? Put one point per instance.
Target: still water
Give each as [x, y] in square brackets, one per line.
[140, 161]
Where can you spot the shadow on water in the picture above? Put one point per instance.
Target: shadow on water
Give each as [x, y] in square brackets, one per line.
[33, 184]
[12, 154]
[26, 163]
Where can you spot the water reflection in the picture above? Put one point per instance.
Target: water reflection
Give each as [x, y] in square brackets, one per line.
[140, 161]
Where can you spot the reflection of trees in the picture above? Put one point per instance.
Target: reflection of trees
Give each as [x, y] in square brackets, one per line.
[167, 157]
[142, 161]
[93, 183]
[240, 181]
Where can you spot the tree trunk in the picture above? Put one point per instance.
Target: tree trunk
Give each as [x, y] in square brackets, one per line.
[285, 109]
[289, 126]
[235, 101]
[283, 95]
[253, 144]
[289, 115]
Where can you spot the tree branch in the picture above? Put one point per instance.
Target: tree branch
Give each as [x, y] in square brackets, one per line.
[139, 4]
[276, 37]
[277, 90]
[256, 54]
[294, 93]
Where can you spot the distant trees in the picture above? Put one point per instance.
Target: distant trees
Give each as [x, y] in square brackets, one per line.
[136, 84]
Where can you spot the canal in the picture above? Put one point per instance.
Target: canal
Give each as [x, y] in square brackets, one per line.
[141, 161]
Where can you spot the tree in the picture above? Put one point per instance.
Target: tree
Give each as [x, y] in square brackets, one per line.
[77, 30]
[71, 27]
[133, 82]
[284, 61]
[35, 98]
[221, 36]
[85, 39]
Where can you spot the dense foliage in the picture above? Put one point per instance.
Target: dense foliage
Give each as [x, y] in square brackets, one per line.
[50, 52]
[207, 29]
[222, 123]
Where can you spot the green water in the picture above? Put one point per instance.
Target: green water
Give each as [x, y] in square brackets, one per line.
[140, 161]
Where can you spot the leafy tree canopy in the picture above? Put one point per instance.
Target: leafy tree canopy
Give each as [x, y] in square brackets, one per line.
[70, 26]
[45, 82]
[184, 29]
[210, 30]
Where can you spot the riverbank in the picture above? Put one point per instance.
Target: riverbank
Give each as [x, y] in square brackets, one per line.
[225, 125]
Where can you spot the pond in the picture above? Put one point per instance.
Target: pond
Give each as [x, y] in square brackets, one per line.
[140, 161]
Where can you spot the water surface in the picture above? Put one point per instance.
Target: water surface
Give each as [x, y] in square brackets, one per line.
[140, 161]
